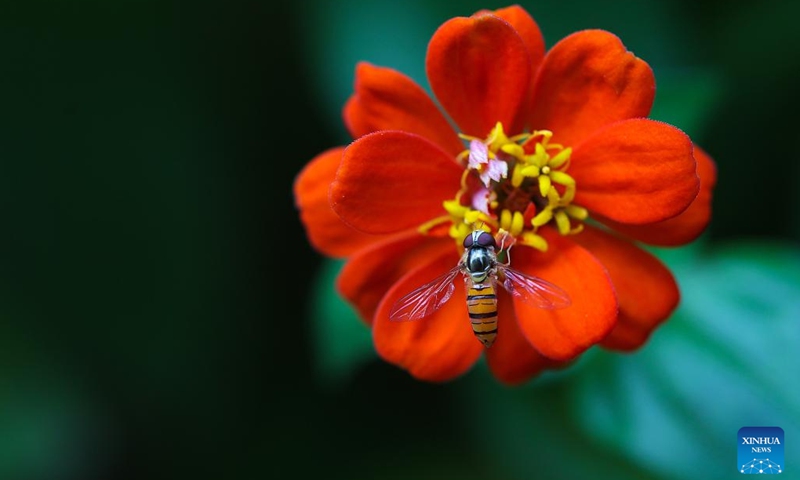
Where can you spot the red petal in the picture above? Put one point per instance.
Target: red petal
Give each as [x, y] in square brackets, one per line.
[480, 70]
[371, 272]
[687, 226]
[436, 348]
[565, 333]
[325, 230]
[635, 171]
[355, 119]
[385, 99]
[512, 358]
[646, 290]
[529, 31]
[588, 80]
[390, 181]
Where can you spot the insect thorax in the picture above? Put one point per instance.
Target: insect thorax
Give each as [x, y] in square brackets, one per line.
[479, 263]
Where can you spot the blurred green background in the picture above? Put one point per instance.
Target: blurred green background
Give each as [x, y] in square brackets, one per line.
[150, 242]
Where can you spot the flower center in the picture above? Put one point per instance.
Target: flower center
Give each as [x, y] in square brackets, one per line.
[514, 186]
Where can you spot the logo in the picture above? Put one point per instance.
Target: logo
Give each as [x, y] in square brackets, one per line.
[760, 450]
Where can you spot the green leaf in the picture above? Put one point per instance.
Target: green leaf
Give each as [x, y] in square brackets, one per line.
[343, 343]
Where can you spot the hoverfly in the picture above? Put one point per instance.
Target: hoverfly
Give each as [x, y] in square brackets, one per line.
[482, 272]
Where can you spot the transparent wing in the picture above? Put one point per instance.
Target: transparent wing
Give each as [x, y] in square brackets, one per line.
[533, 290]
[426, 299]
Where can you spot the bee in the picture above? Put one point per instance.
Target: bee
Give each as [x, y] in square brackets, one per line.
[482, 272]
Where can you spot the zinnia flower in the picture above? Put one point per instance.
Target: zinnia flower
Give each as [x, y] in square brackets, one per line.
[553, 150]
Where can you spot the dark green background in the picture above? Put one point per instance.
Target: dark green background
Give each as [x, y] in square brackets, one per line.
[149, 241]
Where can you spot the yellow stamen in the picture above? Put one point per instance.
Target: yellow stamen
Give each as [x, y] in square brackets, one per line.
[533, 240]
[537, 178]
[463, 218]
[459, 230]
[497, 138]
[427, 226]
[561, 178]
[505, 220]
[517, 223]
[454, 208]
[530, 171]
[562, 221]
[517, 176]
[560, 158]
[513, 149]
[542, 217]
[544, 184]
[576, 212]
[553, 199]
[472, 216]
[569, 194]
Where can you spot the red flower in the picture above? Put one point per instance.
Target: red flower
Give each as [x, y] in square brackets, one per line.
[554, 150]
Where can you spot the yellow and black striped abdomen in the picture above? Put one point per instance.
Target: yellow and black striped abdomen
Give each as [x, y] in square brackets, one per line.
[482, 307]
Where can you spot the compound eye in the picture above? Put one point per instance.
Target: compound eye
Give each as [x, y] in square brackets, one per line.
[486, 240]
[468, 241]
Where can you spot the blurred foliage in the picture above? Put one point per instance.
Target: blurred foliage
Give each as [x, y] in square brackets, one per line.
[342, 342]
[158, 317]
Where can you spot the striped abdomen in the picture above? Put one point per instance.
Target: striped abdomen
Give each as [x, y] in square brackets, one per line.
[482, 308]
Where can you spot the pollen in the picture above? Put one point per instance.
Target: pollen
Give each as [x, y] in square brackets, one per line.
[517, 185]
